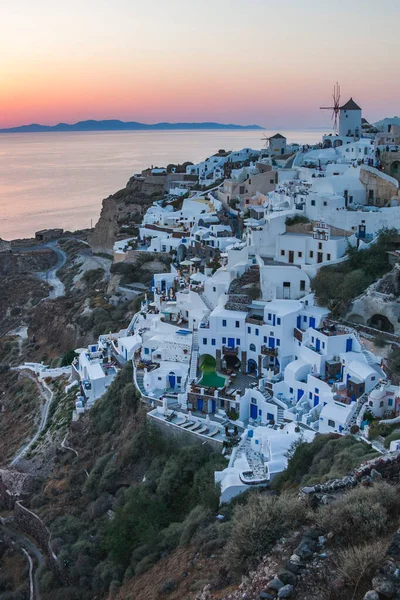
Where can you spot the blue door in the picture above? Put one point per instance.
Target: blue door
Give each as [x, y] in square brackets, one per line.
[213, 406]
[298, 322]
[231, 342]
[253, 411]
[316, 400]
[300, 393]
[271, 342]
[172, 380]
[200, 403]
[317, 344]
[349, 345]
[312, 322]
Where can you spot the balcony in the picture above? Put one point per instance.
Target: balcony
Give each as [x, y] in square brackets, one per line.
[255, 320]
[230, 351]
[269, 351]
[298, 334]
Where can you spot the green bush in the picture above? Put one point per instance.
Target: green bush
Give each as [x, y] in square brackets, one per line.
[361, 514]
[259, 523]
[358, 564]
[296, 219]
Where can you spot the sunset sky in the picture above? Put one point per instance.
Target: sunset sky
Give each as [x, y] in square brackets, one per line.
[268, 62]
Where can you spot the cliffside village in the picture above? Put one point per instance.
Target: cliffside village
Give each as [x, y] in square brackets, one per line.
[229, 347]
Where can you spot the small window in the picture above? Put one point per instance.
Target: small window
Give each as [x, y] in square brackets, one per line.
[390, 402]
[331, 423]
[320, 246]
[223, 322]
[146, 351]
[214, 289]
[213, 342]
[269, 316]
[316, 390]
[257, 331]
[328, 257]
[290, 390]
[278, 321]
[252, 347]
[381, 403]
[311, 253]
[325, 203]
[302, 285]
[312, 202]
[237, 324]
[299, 254]
[305, 319]
[224, 340]
[249, 330]
[237, 342]
[310, 395]
[265, 339]
[373, 378]
[205, 341]
[282, 253]
[312, 339]
[278, 342]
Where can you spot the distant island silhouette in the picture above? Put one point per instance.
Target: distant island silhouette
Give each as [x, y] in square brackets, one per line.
[116, 125]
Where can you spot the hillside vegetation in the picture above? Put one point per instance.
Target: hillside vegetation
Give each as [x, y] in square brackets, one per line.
[337, 285]
[135, 507]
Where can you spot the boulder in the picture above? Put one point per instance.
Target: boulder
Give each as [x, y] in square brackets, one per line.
[294, 567]
[287, 577]
[276, 584]
[267, 596]
[371, 595]
[394, 548]
[286, 592]
[306, 548]
[375, 475]
[383, 586]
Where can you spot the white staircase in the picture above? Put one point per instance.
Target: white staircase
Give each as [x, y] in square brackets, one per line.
[280, 416]
[194, 357]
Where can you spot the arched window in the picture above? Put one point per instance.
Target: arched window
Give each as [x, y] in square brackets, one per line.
[252, 347]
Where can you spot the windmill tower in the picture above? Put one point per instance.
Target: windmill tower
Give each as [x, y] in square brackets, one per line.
[336, 106]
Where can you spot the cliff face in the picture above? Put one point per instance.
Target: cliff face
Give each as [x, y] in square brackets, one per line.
[126, 207]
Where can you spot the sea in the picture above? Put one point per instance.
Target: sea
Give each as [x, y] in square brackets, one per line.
[60, 179]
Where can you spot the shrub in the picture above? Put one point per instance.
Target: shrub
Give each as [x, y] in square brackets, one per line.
[197, 518]
[296, 219]
[258, 524]
[361, 514]
[391, 438]
[359, 563]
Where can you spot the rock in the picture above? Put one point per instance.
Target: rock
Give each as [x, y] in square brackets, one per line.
[276, 584]
[267, 596]
[286, 592]
[375, 475]
[295, 558]
[321, 540]
[383, 586]
[305, 549]
[294, 567]
[287, 577]
[366, 481]
[371, 595]
[394, 548]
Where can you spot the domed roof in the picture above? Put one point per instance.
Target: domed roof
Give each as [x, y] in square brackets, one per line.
[377, 394]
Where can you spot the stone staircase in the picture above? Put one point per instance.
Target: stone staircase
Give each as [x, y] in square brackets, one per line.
[194, 358]
[271, 400]
[140, 383]
[206, 301]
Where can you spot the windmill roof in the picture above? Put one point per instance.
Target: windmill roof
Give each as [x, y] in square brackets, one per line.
[350, 105]
[277, 135]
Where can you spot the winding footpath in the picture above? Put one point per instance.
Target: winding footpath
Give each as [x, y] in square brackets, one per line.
[31, 551]
[47, 394]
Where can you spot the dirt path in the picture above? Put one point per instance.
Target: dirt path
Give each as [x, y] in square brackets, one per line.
[47, 395]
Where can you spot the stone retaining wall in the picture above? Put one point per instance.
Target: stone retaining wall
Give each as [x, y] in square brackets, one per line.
[383, 467]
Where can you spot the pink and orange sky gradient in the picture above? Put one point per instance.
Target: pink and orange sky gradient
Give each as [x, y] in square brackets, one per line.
[268, 62]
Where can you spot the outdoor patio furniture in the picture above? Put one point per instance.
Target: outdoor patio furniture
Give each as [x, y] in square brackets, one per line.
[214, 432]
[203, 429]
[194, 427]
[181, 422]
[187, 424]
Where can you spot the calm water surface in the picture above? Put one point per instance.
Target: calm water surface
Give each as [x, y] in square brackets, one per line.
[60, 179]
